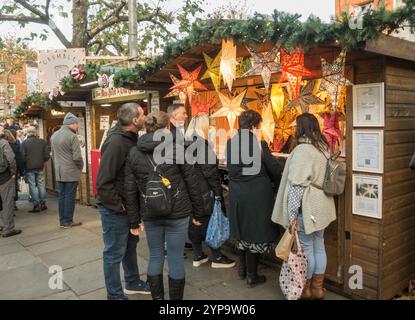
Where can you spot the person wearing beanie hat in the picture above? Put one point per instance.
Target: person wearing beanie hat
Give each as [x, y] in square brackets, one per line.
[70, 119]
[68, 163]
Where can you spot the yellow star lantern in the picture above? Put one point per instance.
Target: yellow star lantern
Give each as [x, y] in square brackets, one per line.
[189, 83]
[213, 70]
[277, 99]
[231, 108]
[284, 128]
[228, 63]
[268, 124]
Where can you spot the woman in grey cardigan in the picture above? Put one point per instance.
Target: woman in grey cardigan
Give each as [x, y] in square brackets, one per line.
[302, 204]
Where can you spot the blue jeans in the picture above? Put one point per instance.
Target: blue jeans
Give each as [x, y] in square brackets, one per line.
[37, 190]
[120, 246]
[313, 245]
[173, 232]
[67, 193]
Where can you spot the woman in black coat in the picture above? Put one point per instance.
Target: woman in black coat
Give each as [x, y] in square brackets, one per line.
[143, 163]
[210, 187]
[251, 195]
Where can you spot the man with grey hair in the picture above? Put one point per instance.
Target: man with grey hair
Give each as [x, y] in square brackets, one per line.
[35, 153]
[68, 162]
[120, 246]
[178, 117]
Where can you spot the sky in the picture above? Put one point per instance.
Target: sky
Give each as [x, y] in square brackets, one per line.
[321, 8]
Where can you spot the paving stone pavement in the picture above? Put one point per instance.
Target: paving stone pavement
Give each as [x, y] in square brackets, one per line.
[25, 260]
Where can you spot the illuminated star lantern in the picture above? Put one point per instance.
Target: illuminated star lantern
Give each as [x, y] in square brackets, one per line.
[333, 78]
[231, 108]
[213, 70]
[228, 63]
[263, 100]
[306, 98]
[264, 64]
[284, 128]
[277, 99]
[200, 106]
[293, 70]
[189, 83]
[268, 124]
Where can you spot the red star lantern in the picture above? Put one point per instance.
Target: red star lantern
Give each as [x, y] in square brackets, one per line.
[293, 70]
[200, 106]
[189, 83]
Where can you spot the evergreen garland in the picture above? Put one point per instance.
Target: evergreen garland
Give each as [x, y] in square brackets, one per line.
[69, 82]
[280, 28]
[38, 99]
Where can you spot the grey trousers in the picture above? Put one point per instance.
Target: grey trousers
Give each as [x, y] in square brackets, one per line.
[7, 193]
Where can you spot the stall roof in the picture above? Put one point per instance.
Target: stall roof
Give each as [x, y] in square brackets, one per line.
[190, 59]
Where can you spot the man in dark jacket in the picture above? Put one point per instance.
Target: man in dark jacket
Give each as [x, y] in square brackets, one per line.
[120, 244]
[178, 117]
[35, 153]
[7, 189]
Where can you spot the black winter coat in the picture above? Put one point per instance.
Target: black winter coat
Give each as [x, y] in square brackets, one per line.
[251, 197]
[187, 199]
[111, 172]
[35, 152]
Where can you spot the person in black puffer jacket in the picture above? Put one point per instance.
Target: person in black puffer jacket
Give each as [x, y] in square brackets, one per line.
[185, 198]
[210, 188]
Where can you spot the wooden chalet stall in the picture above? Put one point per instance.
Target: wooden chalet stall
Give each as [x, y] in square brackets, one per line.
[382, 247]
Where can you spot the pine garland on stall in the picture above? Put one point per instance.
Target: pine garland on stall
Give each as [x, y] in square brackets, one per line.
[38, 99]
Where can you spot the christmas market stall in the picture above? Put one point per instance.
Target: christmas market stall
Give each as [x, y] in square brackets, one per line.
[360, 83]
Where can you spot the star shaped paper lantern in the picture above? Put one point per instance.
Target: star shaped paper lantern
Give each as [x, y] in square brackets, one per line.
[277, 99]
[306, 98]
[213, 70]
[189, 83]
[285, 126]
[268, 124]
[293, 70]
[331, 129]
[202, 106]
[264, 64]
[333, 78]
[228, 63]
[231, 108]
[263, 100]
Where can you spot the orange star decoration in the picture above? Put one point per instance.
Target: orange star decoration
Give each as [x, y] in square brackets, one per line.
[284, 128]
[201, 106]
[268, 124]
[228, 63]
[293, 70]
[189, 83]
[231, 108]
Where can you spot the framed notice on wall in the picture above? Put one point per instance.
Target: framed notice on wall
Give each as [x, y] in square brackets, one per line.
[368, 150]
[367, 196]
[369, 105]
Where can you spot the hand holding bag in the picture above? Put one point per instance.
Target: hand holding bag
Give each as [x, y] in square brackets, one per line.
[293, 273]
[283, 248]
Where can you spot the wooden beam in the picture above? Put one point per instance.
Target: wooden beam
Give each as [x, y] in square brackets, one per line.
[392, 46]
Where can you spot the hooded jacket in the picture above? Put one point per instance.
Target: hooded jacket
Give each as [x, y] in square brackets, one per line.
[111, 172]
[184, 184]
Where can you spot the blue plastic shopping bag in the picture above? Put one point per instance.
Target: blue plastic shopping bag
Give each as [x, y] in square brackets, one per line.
[218, 227]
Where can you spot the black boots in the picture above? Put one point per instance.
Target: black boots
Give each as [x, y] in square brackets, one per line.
[176, 288]
[242, 264]
[252, 277]
[35, 209]
[156, 286]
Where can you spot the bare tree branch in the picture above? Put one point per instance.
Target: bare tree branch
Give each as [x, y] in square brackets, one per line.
[21, 18]
[111, 20]
[47, 8]
[31, 8]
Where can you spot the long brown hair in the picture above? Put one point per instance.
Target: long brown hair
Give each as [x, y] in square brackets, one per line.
[308, 127]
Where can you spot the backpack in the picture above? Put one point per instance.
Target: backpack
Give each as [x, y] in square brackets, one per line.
[157, 195]
[335, 177]
[4, 164]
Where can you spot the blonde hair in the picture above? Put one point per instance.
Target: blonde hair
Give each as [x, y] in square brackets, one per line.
[156, 120]
[9, 136]
[199, 125]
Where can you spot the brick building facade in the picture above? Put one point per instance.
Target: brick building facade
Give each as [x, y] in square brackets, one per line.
[14, 93]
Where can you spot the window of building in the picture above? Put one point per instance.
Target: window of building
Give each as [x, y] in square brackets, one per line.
[10, 93]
